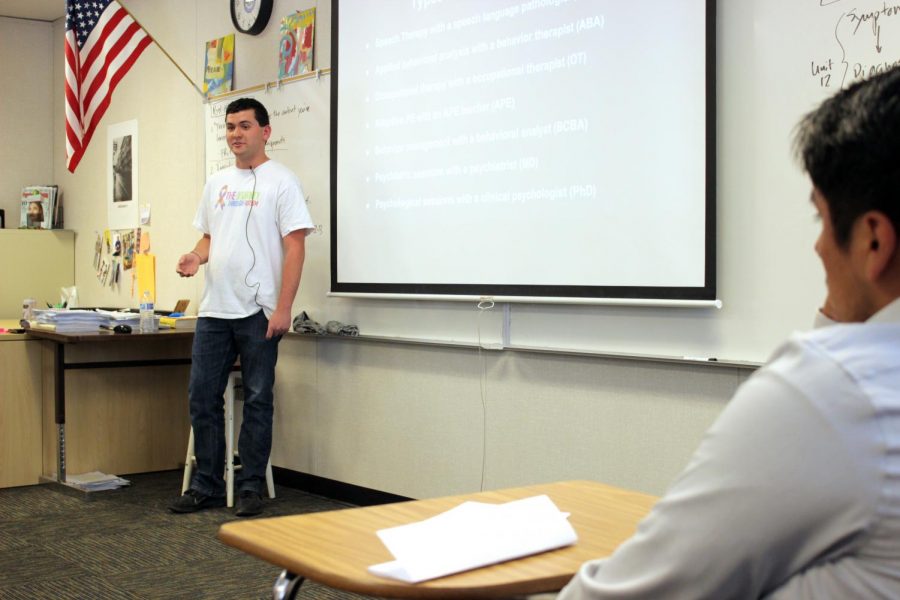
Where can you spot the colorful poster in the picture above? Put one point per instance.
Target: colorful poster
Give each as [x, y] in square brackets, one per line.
[296, 47]
[219, 70]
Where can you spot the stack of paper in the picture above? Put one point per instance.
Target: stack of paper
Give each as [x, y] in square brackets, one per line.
[472, 535]
[95, 481]
[69, 321]
[111, 318]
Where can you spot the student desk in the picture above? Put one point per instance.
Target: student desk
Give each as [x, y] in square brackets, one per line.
[106, 350]
[336, 547]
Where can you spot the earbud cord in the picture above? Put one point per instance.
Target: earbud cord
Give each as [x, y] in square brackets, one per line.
[247, 235]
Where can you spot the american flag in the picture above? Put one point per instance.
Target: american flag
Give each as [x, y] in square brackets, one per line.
[102, 42]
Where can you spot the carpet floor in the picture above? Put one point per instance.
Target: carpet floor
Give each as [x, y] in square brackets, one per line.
[126, 545]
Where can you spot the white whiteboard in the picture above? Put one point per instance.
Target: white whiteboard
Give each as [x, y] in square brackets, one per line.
[298, 114]
[769, 278]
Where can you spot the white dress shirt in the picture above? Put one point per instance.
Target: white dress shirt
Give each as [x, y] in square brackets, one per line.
[794, 492]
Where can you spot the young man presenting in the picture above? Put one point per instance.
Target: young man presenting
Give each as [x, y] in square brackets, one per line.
[254, 220]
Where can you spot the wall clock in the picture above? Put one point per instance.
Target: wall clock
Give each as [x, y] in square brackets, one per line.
[251, 16]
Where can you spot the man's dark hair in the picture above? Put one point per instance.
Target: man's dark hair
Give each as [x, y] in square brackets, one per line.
[262, 115]
[850, 147]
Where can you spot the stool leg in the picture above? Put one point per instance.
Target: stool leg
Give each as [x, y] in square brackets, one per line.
[270, 483]
[229, 441]
[286, 586]
[188, 464]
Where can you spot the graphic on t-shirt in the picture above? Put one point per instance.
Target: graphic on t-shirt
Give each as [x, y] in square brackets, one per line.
[220, 203]
[236, 199]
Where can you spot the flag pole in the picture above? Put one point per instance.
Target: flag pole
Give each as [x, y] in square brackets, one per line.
[158, 45]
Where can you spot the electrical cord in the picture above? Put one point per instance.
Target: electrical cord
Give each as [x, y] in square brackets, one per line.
[483, 306]
[254, 286]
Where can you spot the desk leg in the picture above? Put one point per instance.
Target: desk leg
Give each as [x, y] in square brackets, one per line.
[61, 456]
[60, 398]
[286, 586]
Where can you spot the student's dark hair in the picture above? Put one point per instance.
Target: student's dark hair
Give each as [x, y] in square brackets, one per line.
[850, 147]
[259, 111]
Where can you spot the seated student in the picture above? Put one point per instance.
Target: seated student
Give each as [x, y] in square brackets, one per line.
[794, 492]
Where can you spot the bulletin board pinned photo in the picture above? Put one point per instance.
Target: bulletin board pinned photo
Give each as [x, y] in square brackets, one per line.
[122, 175]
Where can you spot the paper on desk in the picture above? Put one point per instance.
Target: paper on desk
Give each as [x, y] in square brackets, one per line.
[96, 481]
[473, 534]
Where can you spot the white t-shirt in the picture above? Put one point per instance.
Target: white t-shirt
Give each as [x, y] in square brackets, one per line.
[246, 214]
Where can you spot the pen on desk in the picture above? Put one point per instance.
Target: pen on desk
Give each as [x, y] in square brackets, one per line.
[700, 358]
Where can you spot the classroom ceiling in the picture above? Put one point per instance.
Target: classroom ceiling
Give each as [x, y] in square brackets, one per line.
[38, 10]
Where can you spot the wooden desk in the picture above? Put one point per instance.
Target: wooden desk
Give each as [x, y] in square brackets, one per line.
[122, 345]
[336, 547]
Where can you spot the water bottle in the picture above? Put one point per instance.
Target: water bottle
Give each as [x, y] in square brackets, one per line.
[148, 320]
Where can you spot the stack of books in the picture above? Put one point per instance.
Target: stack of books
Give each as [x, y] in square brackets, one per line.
[185, 322]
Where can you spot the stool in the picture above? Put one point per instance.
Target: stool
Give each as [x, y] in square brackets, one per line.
[234, 381]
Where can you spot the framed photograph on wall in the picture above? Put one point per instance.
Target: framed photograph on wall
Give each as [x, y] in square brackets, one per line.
[122, 175]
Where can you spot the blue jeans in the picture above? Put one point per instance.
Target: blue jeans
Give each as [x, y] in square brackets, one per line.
[217, 343]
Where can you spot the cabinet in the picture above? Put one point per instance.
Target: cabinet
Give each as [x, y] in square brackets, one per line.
[20, 410]
[35, 264]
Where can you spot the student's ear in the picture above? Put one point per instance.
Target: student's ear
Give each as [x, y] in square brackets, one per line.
[879, 234]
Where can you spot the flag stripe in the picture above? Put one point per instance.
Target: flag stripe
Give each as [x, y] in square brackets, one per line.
[73, 109]
[102, 43]
[107, 27]
[72, 105]
[117, 54]
[101, 108]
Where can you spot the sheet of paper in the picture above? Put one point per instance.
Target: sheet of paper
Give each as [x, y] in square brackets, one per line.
[143, 241]
[145, 268]
[96, 481]
[473, 535]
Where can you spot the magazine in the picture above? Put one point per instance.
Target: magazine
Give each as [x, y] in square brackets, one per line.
[38, 207]
[219, 68]
[296, 47]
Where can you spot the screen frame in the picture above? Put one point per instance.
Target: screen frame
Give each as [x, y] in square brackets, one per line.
[601, 294]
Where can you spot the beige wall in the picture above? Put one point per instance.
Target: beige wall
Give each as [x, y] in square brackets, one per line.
[409, 419]
[432, 420]
[26, 110]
